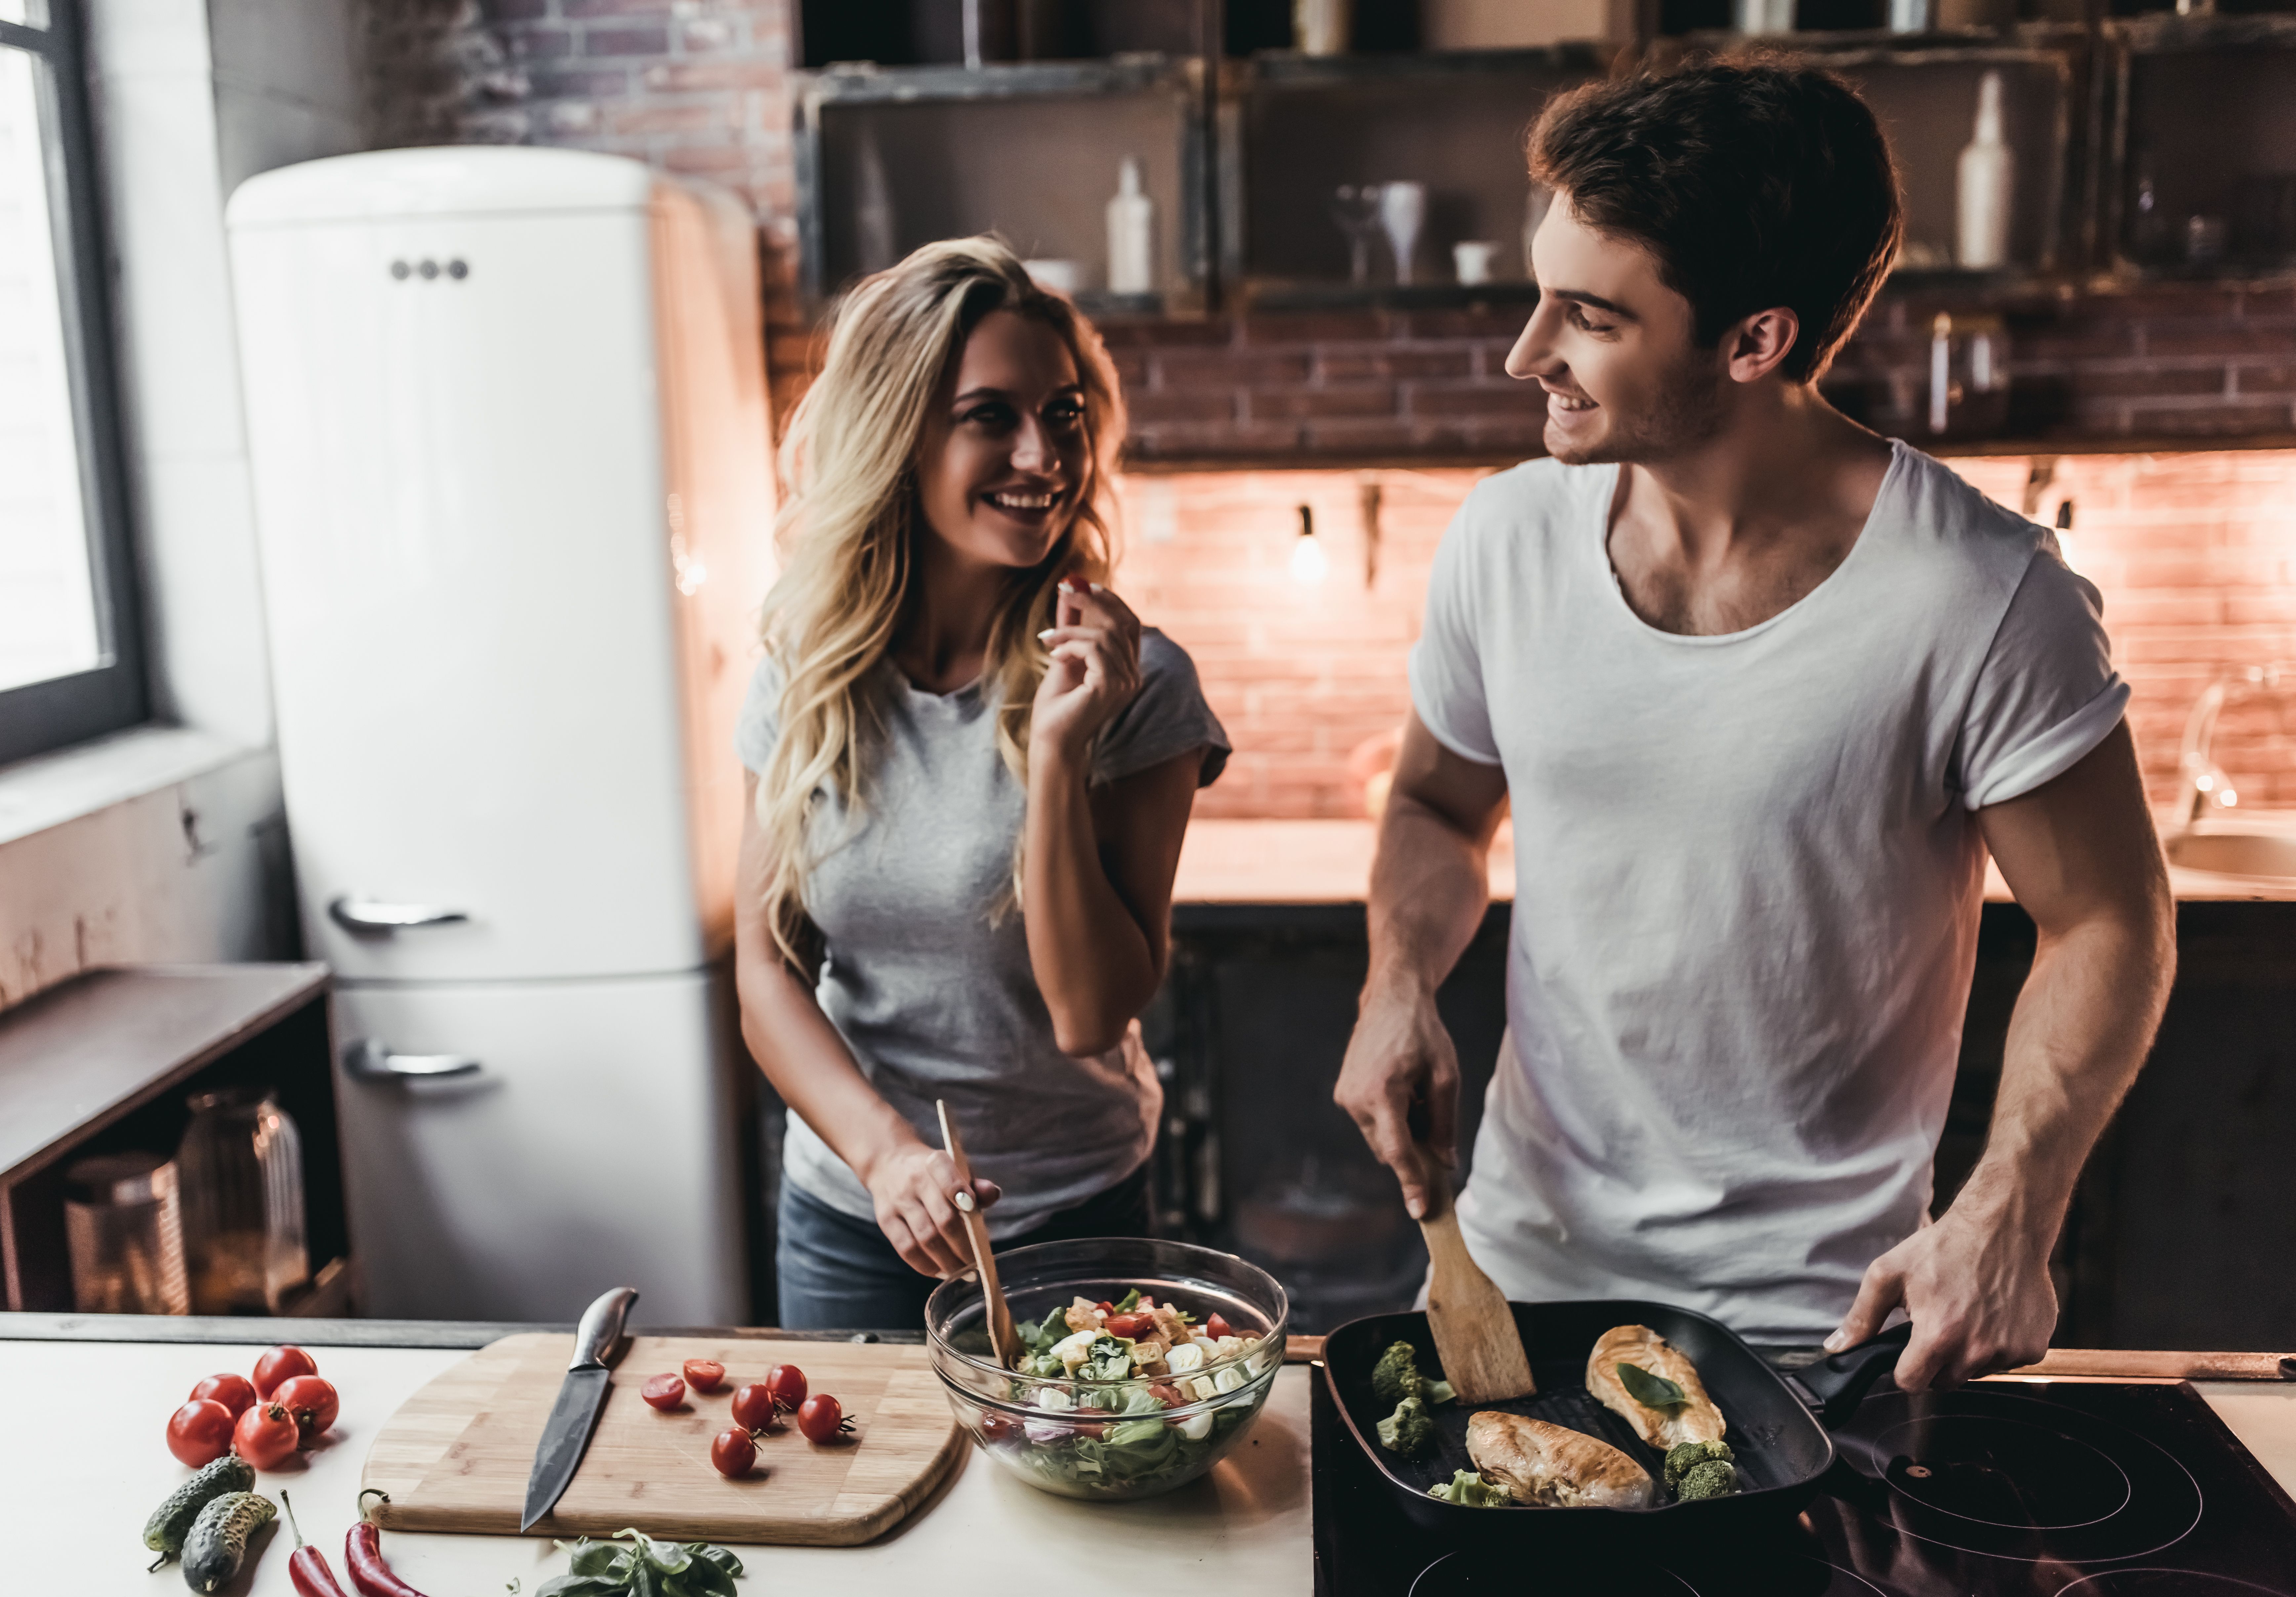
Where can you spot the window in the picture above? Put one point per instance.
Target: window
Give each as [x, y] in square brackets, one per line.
[70, 661]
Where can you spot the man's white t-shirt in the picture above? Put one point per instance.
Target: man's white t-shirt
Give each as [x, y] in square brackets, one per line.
[1748, 875]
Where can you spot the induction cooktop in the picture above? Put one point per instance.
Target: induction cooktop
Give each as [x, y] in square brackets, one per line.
[2025, 1489]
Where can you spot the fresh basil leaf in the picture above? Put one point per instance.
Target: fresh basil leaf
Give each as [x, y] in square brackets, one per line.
[596, 1558]
[702, 1578]
[1652, 1391]
[647, 1581]
[582, 1585]
[706, 1577]
[720, 1558]
[668, 1557]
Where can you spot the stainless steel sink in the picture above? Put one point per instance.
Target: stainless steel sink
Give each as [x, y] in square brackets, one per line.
[2218, 834]
[2234, 848]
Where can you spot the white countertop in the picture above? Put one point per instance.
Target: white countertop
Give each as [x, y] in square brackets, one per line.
[87, 1462]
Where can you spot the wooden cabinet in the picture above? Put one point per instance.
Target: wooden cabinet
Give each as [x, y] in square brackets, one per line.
[105, 1062]
[2178, 1238]
[890, 158]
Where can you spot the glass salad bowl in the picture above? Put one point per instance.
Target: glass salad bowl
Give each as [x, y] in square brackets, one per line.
[1068, 1422]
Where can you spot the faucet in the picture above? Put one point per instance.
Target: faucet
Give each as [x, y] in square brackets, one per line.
[2207, 788]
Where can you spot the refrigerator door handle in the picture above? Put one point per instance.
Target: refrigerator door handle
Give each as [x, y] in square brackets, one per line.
[372, 1060]
[365, 914]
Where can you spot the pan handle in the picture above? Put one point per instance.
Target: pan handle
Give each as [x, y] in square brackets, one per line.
[1840, 1380]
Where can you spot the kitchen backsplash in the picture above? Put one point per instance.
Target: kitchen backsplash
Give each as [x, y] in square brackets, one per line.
[2195, 555]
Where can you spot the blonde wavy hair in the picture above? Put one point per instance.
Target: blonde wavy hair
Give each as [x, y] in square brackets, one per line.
[849, 526]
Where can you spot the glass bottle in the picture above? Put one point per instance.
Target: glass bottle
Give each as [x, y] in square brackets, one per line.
[124, 1230]
[241, 1171]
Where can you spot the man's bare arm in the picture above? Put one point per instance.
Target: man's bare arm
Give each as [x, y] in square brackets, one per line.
[1428, 892]
[2081, 856]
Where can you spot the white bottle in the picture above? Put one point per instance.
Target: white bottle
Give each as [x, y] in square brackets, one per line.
[1988, 174]
[1131, 235]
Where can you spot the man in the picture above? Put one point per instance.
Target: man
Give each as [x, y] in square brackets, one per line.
[1762, 689]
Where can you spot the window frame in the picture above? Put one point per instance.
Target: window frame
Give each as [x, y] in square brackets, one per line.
[41, 716]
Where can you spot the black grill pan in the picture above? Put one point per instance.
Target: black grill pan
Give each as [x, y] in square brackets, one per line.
[1777, 1432]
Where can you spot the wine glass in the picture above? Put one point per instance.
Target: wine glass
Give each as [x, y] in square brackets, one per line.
[1355, 207]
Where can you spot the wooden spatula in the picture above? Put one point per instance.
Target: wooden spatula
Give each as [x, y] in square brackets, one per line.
[1475, 1329]
[1001, 1337]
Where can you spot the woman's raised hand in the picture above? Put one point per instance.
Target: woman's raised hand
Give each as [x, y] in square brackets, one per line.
[913, 1189]
[1095, 670]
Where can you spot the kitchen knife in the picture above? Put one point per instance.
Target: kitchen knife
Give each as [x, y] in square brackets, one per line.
[580, 1397]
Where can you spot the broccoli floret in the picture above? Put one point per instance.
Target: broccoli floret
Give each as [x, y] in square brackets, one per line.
[1716, 1478]
[1407, 1431]
[1469, 1490]
[1397, 1375]
[1686, 1456]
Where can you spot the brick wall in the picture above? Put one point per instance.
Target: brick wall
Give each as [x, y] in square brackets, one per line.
[2195, 555]
[2166, 363]
[703, 87]
[694, 86]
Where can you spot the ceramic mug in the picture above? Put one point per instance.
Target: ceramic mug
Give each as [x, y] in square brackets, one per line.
[1473, 259]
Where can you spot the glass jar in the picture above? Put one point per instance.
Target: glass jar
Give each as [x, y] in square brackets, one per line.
[242, 1170]
[124, 1231]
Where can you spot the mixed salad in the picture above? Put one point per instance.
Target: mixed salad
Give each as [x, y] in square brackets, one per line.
[1099, 1378]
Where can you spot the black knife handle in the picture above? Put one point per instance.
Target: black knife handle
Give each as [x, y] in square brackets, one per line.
[1840, 1381]
[601, 1328]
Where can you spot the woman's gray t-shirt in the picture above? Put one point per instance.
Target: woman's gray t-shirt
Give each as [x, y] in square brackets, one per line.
[929, 986]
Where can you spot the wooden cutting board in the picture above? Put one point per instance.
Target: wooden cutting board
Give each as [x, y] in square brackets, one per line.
[457, 1456]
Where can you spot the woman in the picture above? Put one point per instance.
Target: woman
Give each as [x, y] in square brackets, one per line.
[971, 773]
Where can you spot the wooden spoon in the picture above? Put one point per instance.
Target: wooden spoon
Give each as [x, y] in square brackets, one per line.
[1001, 1337]
[1475, 1329]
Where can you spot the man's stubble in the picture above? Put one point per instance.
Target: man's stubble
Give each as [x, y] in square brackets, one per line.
[1688, 415]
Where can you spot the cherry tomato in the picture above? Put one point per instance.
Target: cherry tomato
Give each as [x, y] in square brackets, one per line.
[753, 1406]
[200, 1432]
[311, 1399]
[1133, 1326]
[1217, 1327]
[733, 1453]
[704, 1374]
[997, 1428]
[1105, 1306]
[234, 1392]
[265, 1435]
[787, 1384]
[1168, 1396]
[664, 1392]
[282, 1364]
[820, 1418]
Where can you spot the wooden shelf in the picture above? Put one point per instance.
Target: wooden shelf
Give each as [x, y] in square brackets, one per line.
[77, 1058]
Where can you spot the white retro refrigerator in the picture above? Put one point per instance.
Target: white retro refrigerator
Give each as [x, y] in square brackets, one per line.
[507, 417]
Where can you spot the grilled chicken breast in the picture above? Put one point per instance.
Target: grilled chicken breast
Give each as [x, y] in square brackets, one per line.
[1548, 1465]
[1694, 1420]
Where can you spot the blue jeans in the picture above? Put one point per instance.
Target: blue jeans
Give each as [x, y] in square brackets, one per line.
[835, 1272]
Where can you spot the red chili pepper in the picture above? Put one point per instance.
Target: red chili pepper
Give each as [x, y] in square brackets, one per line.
[362, 1555]
[308, 1567]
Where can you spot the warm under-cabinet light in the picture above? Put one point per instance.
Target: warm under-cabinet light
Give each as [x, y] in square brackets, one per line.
[1309, 561]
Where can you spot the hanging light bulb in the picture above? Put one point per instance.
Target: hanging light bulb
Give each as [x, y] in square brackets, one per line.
[1309, 560]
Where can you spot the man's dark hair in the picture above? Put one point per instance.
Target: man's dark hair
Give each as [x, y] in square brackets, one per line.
[1752, 185]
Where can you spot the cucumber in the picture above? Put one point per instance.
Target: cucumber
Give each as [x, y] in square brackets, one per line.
[218, 1542]
[171, 1521]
